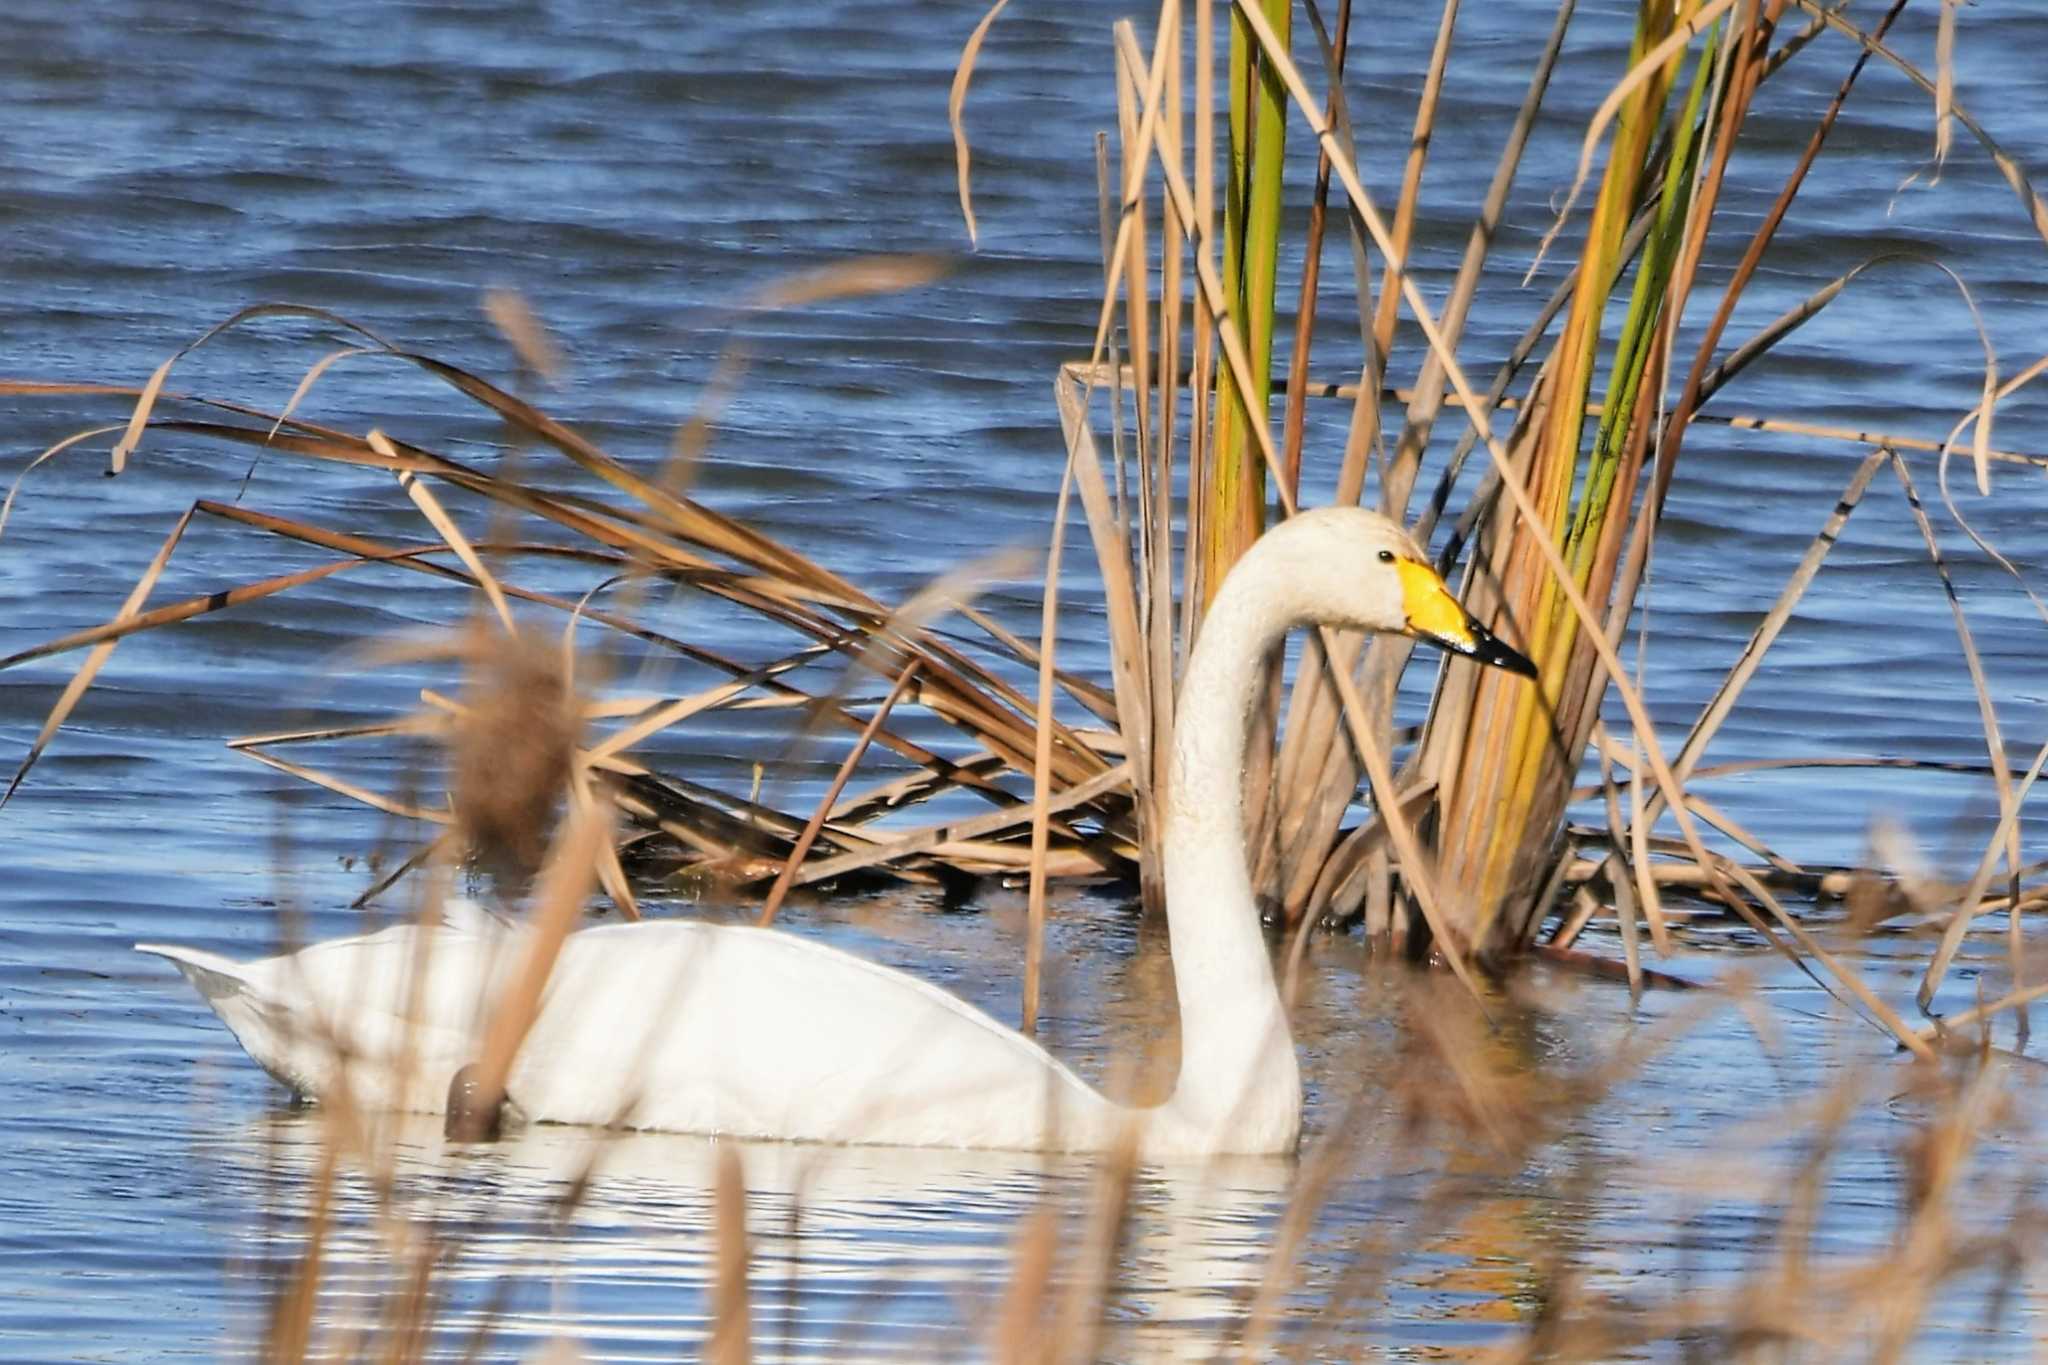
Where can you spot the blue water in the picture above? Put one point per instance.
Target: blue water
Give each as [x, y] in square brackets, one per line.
[637, 173]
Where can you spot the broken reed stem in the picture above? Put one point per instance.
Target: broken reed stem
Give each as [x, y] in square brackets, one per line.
[801, 849]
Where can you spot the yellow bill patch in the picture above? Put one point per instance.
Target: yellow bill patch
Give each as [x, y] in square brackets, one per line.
[1430, 608]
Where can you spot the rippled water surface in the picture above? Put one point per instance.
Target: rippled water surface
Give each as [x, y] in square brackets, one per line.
[635, 171]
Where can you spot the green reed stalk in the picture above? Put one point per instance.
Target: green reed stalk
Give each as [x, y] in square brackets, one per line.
[1645, 314]
[1505, 790]
[1251, 262]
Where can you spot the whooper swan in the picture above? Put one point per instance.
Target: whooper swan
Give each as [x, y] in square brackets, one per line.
[758, 1033]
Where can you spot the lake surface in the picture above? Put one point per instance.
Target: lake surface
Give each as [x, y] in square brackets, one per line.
[634, 171]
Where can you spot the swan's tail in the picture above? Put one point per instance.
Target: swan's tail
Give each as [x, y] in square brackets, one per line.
[217, 978]
[233, 991]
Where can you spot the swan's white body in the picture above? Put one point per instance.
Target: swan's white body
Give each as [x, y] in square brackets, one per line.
[755, 1033]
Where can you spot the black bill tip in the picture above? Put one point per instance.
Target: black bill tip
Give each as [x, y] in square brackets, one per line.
[1489, 648]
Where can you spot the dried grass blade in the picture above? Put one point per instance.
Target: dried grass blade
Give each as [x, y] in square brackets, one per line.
[430, 507]
[98, 658]
[312, 377]
[731, 1313]
[515, 320]
[76, 438]
[1019, 1332]
[1639, 846]
[1112, 557]
[1621, 867]
[409, 725]
[146, 402]
[1944, 84]
[956, 103]
[1041, 753]
[426, 854]
[677, 515]
[120, 628]
[853, 279]
[2011, 1000]
[1972, 898]
[1994, 739]
[1767, 630]
[340, 787]
[1843, 973]
[587, 800]
[911, 789]
[682, 708]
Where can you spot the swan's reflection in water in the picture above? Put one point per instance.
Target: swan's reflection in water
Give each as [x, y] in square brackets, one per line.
[607, 1241]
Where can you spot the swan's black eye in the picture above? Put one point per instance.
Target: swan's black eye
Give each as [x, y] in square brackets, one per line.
[1386, 556]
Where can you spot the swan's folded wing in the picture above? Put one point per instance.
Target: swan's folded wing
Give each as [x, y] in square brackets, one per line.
[760, 1033]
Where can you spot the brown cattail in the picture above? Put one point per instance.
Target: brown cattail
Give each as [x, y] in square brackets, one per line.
[512, 751]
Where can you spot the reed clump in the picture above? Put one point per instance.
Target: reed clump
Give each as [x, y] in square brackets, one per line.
[1483, 830]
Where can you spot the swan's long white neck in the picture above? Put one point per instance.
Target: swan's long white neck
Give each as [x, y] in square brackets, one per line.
[1237, 1056]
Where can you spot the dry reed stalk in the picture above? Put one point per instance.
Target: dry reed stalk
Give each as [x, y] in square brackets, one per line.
[802, 847]
[732, 1330]
[1155, 542]
[565, 884]
[1202, 221]
[1294, 415]
[1017, 1335]
[1041, 758]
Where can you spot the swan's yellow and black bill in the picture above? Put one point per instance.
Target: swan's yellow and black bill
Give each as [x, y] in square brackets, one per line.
[1436, 616]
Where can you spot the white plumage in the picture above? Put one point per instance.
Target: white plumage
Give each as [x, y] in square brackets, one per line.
[757, 1033]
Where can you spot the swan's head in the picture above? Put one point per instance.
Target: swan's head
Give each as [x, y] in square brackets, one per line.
[1357, 569]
